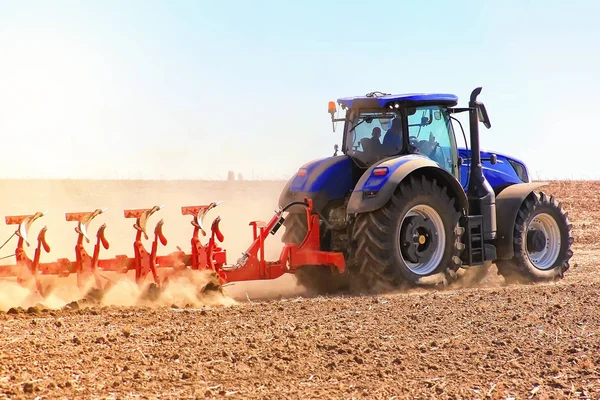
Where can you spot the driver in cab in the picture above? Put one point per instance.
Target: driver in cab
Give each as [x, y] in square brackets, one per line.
[392, 142]
[393, 137]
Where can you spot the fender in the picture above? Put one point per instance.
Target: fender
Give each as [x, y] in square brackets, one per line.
[373, 192]
[508, 203]
[320, 180]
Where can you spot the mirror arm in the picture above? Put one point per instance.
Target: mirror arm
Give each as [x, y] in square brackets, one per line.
[458, 110]
[334, 120]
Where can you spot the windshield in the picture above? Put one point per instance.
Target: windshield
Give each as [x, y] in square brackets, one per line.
[372, 136]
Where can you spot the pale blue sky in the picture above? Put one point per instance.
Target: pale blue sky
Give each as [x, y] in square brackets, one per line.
[151, 89]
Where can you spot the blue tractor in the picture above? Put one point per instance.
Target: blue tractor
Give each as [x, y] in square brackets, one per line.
[407, 206]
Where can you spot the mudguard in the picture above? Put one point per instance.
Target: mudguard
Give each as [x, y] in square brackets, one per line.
[508, 203]
[373, 192]
[321, 180]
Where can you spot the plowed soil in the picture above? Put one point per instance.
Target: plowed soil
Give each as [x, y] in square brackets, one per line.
[491, 341]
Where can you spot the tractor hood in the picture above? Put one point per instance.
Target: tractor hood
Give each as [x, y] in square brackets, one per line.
[507, 170]
[463, 152]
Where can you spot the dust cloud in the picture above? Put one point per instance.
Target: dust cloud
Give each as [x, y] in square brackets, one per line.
[14, 295]
[183, 291]
[241, 202]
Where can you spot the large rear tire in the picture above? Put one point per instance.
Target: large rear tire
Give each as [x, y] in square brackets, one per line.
[414, 238]
[317, 280]
[541, 241]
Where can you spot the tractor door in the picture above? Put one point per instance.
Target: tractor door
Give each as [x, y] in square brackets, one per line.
[430, 131]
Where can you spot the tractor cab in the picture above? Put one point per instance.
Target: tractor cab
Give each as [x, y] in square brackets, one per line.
[379, 126]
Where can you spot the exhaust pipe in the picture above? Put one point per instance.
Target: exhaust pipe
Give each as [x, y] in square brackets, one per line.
[481, 196]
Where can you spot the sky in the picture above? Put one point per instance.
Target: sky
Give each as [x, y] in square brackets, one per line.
[191, 89]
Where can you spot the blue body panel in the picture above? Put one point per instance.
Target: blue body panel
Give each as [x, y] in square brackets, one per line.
[375, 183]
[332, 175]
[440, 98]
[498, 175]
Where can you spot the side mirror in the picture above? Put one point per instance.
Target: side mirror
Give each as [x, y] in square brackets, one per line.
[460, 161]
[335, 149]
[493, 159]
[482, 115]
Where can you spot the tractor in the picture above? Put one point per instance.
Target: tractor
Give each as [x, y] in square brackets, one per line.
[406, 206]
[401, 206]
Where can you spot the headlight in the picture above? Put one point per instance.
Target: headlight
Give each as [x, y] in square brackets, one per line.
[520, 170]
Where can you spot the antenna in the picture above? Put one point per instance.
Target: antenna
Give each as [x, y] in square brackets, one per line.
[377, 94]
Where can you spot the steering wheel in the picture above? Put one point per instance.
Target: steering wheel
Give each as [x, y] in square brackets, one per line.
[414, 141]
[433, 154]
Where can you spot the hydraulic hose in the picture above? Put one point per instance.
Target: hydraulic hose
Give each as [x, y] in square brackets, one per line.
[294, 203]
[5, 243]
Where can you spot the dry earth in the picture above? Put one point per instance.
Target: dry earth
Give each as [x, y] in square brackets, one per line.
[492, 341]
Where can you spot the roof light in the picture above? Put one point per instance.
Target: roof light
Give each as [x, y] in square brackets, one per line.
[302, 172]
[331, 108]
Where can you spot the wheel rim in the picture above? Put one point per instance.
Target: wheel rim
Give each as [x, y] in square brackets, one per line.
[545, 257]
[422, 239]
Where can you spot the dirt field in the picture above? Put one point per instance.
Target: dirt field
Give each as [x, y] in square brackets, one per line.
[492, 341]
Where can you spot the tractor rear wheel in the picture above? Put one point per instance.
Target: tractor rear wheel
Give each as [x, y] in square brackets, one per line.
[317, 280]
[414, 238]
[541, 241]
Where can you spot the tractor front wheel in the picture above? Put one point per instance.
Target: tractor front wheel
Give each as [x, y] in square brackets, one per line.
[542, 242]
[414, 238]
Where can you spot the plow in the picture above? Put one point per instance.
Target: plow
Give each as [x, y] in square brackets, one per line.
[153, 271]
[412, 209]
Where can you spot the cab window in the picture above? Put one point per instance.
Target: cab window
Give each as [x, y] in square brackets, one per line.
[430, 132]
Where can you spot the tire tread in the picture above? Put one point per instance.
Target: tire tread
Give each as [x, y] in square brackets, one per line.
[517, 269]
[373, 231]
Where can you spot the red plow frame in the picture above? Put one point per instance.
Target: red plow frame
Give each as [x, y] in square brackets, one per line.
[203, 257]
